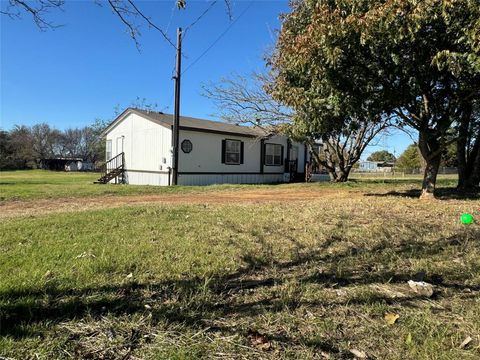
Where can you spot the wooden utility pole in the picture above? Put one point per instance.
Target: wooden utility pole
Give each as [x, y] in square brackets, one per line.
[176, 113]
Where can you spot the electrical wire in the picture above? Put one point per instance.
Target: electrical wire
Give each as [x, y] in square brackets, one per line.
[171, 17]
[198, 19]
[218, 38]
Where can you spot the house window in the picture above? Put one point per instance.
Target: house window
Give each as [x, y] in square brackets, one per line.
[187, 146]
[232, 152]
[273, 154]
[109, 150]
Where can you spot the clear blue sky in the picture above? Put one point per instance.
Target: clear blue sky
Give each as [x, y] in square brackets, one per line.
[72, 75]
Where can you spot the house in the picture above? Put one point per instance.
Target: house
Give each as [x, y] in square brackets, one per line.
[139, 151]
[375, 166]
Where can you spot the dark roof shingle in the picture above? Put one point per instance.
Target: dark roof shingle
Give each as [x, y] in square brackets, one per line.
[200, 124]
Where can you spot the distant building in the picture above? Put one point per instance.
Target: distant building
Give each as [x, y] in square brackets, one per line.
[66, 164]
[376, 166]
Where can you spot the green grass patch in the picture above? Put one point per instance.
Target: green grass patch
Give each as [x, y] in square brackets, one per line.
[42, 184]
[301, 280]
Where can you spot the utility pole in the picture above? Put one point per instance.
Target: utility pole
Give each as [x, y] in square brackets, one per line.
[176, 113]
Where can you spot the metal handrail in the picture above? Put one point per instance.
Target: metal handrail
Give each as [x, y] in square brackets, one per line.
[114, 163]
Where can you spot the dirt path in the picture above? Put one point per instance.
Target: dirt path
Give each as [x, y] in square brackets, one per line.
[11, 209]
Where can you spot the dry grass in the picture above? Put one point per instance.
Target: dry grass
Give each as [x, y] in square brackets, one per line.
[306, 280]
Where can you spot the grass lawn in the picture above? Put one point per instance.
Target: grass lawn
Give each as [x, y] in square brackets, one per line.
[37, 184]
[309, 279]
[42, 184]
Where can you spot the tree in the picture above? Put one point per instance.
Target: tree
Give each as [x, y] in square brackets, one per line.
[96, 144]
[16, 150]
[85, 143]
[468, 148]
[6, 151]
[449, 156]
[410, 159]
[382, 155]
[417, 60]
[308, 78]
[127, 11]
[341, 148]
[46, 142]
[245, 100]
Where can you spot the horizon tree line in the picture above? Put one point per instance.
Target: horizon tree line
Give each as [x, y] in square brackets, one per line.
[24, 147]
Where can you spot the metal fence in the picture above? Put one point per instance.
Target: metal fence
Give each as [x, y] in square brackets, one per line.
[395, 172]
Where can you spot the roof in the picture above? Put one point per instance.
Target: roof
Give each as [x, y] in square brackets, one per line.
[189, 123]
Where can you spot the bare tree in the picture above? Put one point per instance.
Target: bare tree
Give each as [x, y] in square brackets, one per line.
[341, 150]
[46, 142]
[38, 9]
[127, 11]
[245, 100]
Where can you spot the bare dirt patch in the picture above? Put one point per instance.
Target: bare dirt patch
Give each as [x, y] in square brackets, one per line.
[46, 206]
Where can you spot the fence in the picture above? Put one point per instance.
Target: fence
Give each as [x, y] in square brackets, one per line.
[394, 172]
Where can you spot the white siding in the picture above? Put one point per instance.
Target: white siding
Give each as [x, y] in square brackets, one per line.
[206, 154]
[147, 149]
[146, 178]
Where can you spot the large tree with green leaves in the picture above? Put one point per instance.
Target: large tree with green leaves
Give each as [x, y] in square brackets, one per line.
[244, 100]
[409, 160]
[416, 60]
[468, 147]
[381, 155]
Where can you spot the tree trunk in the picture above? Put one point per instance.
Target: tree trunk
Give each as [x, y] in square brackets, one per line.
[343, 174]
[462, 156]
[473, 180]
[462, 152]
[431, 153]
[430, 177]
[328, 163]
[333, 175]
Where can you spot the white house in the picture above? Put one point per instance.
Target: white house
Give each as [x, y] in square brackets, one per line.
[139, 151]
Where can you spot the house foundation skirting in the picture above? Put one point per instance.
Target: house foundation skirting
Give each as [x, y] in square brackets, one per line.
[229, 178]
[163, 178]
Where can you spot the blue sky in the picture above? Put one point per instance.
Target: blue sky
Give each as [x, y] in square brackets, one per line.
[72, 75]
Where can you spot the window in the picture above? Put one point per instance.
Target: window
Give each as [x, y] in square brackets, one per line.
[273, 154]
[232, 152]
[109, 150]
[187, 146]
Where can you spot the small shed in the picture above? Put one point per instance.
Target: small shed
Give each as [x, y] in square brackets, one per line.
[65, 164]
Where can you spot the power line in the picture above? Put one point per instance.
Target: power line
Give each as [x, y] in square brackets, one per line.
[198, 19]
[218, 38]
[171, 17]
[150, 23]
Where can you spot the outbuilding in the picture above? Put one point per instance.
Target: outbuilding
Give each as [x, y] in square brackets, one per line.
[139, 151]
